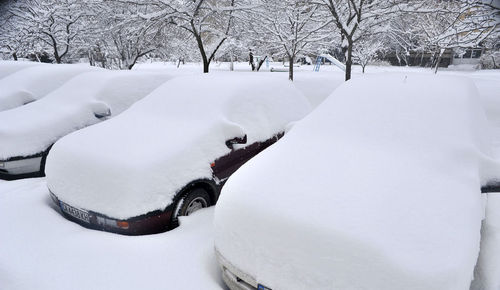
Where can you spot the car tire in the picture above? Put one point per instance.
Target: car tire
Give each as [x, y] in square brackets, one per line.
[189, 202]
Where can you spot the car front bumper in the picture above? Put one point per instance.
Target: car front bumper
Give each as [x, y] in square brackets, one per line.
[151, 223]
[21, 167]
[234, 278]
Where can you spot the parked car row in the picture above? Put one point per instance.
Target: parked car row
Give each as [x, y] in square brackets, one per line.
[166, 156]
[28, 132]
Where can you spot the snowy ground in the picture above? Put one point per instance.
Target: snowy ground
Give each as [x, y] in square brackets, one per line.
[39, 249]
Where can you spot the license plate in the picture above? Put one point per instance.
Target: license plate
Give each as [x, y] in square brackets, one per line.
[75, 212]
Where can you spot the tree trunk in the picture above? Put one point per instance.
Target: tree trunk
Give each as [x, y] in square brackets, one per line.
[438, 60]
[206, 61]
[363, 67]
[290, 68]
[206, 65]
[231, 65]
[348, 63]
[261, 62]
[14, 56]
[56, 54]
[252, 64]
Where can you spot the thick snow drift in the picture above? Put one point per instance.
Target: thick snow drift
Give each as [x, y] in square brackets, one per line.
[32, 128]
[9, 67]
[137, 162]
[378, 188]
[30, 84]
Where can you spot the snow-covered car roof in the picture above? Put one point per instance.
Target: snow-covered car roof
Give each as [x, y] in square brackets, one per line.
[378, 188]
[136, 163]
[33, 83]
[32, 128]
[8, 67]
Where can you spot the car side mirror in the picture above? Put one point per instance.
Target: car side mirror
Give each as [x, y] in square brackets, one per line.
[101, 110]
[26, 97]
[236, 140]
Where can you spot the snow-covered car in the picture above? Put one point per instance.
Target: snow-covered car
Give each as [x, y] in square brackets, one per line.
[170, 153]
[33, 83]
[378, 188]
[28, 132]
[10, 67]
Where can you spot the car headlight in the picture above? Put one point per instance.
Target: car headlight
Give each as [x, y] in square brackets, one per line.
[2, 164]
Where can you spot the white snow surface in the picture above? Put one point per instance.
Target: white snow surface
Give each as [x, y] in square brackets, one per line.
[488, 267]
[378, 188]
[137, 162]
[32, 128]
[33, 83]
[40, 249]
[9, 67]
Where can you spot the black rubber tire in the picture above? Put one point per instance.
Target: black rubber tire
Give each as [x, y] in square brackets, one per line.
[183, 205]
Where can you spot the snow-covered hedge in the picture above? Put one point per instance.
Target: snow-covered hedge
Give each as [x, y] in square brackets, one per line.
[490, 60]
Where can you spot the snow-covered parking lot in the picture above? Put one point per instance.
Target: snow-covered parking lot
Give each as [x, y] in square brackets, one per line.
[40, 249]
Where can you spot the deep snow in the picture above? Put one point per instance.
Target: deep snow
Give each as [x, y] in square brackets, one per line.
[39, 249]
[45, 251]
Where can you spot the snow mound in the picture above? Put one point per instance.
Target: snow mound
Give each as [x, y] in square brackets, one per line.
[32, 83]
[32, 128]
[378, 188]
[9, 67]
[137, 162]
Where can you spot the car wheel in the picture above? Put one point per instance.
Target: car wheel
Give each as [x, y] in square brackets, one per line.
[191, 201]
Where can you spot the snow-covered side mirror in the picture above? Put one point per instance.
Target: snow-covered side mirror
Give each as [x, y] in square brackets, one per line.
[101, 110]
[26, 97]
[236, 140]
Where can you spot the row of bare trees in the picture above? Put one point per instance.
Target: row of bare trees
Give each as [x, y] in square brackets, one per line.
[116, 33]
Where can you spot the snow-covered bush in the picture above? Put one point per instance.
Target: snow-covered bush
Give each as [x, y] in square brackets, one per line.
[490, 60]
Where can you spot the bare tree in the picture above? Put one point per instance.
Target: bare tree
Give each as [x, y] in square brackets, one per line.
[290, 26]
[366, 50]
[353, 16]
[13, 32]
[207, 21]
[52, 22]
